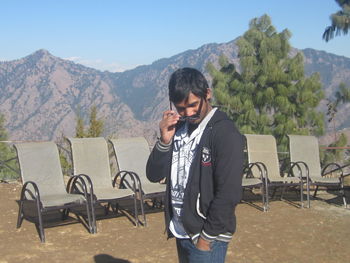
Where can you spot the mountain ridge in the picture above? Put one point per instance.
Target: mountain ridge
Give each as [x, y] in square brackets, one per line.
[40, 93]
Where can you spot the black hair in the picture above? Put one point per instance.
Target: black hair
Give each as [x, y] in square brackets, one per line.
[186, 80]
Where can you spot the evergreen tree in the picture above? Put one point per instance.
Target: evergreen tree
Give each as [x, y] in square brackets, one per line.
[6, 153]
[342, 96]
[271, 94]
[96, 125]
[3, 132]
[79, 129]
[95, 128]
[340, 21]
[336, 155]
[64, 153]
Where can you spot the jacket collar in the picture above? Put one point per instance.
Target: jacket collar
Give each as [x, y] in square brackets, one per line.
[183, 131]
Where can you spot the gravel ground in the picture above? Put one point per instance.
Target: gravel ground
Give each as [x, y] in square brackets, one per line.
[286, 233]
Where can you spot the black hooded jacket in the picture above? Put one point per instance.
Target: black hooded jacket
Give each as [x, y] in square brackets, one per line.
[214, 186]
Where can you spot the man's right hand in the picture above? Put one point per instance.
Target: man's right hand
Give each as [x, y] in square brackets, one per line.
[167, 126]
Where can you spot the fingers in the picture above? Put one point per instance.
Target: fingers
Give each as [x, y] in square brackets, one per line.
[168, 113]
[170, 117]
[169, 122]
[167, 125]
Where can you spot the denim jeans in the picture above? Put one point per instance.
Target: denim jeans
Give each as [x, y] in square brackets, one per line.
[189, 253]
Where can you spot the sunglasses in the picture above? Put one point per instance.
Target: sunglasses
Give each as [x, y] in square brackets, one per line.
[193, 117]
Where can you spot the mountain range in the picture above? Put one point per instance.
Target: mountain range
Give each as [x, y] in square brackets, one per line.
[41, 94]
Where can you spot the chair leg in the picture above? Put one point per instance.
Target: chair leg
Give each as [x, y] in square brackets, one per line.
[267, 196]
[283, 189]
[41, 226]
[154, 202]
[115, 208]
[308, 193]
[107, 207]
[65, 214]
[344, 199]
[342, 190]
[274, 192]
[315, 193]
[262, 190]
[136, 213]
[302, 194]
[90, 221]
[142, 209]
[20, 215]
[93, 215]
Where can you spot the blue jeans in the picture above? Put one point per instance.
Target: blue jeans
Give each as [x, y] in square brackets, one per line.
[189, 253]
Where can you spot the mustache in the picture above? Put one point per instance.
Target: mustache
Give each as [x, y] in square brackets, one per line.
[189, 118]
[192, 117]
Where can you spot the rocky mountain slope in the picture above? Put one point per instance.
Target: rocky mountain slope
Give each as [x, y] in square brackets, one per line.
[40, 94]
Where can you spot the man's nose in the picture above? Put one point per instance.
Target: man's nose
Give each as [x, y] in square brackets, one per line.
[189, 112]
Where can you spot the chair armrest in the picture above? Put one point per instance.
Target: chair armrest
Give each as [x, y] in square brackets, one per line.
[81, 182]
[35, 195]
[338, 168]
[261, 167]
[298, 165]
[128, 179]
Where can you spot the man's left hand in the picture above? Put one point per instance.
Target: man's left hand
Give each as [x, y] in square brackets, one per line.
[203, 244]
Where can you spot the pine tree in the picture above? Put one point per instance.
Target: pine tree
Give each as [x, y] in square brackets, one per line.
[3, 132]
[79, 129]
[270, 94]
[95, 128]
[96, 125]
[342, 96]
[64, 153]
[6, 153]
[340, 21]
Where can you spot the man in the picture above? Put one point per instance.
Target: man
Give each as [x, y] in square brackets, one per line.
[200, 153]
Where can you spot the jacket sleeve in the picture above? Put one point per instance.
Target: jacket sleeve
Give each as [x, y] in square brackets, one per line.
[159, 162]
[228, 156]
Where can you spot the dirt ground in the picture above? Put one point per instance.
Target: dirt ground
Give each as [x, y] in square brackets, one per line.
[284, 234]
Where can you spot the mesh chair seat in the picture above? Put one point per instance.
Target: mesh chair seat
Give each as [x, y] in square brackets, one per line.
[326, 180]
[153, 188]
[250, 182]
[61, 199]
[112, 193]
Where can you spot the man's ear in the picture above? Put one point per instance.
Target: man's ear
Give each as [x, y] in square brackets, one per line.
[209, 95]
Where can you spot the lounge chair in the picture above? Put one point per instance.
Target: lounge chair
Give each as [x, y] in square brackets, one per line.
[43, 184]
[305, 149]
[90, 157]
[132, 155]
[262, 149]
[249, 181]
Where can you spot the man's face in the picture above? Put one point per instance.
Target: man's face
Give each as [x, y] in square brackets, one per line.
[194, 105]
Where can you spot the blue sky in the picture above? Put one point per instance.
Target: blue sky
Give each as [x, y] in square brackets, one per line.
[118, 35]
